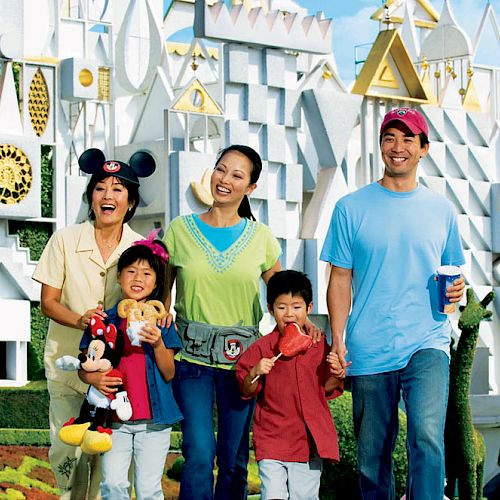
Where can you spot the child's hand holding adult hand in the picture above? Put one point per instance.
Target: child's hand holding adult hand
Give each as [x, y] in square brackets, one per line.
[336, 368]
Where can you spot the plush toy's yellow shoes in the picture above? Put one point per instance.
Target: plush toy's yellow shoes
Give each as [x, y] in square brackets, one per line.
[95, 442]
[73, 434]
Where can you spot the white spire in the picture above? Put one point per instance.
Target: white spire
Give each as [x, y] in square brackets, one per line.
[409, 33]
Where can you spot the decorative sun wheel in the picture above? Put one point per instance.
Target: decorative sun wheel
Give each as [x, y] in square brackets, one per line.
[16, 175]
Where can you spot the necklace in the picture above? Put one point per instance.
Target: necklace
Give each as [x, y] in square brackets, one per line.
[110, 244]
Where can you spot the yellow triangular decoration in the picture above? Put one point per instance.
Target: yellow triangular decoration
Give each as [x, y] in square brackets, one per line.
[471, 100]
[426, 83]
[196, 99]
[388, 47]
[385, 77]
[430, 23]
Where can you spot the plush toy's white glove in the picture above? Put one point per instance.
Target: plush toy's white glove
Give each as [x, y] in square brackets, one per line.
[69, 363]
[122, 406]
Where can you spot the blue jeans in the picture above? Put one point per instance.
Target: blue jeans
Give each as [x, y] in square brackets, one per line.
[424, 385]
[196, 388]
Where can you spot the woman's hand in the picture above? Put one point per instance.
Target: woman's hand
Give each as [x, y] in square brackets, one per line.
[101, 381]
[51, 306]
[151, 334]
[85, 318]
[313, 331]
[166, 321]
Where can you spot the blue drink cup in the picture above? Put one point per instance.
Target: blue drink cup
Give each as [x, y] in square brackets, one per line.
[446, 276]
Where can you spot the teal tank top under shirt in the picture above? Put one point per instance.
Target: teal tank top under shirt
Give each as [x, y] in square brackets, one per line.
[221, 237]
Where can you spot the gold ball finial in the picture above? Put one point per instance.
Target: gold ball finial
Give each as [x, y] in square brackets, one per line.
[387, 16]
[425, 64]
[470, 71]
[194, 63]
[461, 91]
[448, 66]
[437, 74]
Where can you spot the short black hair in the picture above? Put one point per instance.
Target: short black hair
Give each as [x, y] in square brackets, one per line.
[423, 138]
[132, 190]
[142, 252]
[289, 281]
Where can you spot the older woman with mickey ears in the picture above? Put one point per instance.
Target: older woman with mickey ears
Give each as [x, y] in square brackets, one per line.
[78, 273]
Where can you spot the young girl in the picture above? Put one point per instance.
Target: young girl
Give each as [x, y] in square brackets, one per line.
[147, 371]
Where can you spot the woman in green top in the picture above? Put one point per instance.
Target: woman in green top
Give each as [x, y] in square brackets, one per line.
[218, 258]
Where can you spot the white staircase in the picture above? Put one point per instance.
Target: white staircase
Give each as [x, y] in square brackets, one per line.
[15, 261]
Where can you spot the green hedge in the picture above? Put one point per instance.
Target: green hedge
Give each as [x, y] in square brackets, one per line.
[24, 437]
[25, 407]
[340, 481]
[39, 326]
[41, 437]
[47, 182]
[32, 235]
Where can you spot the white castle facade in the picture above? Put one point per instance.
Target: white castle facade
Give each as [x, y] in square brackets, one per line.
[76, 74]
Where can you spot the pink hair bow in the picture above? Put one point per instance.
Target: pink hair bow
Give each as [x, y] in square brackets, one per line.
[151, 242]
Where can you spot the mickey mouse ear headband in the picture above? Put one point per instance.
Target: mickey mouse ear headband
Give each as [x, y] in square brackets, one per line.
[141, 164]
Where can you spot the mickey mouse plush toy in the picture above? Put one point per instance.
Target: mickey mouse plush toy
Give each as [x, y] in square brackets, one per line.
[91, 429]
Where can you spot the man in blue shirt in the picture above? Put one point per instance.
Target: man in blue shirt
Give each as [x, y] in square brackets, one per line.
[384, 244]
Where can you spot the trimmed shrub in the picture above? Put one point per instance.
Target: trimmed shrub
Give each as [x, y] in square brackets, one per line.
[32, 235]
[340, 481]
[25, 407]
[39, 326]
[47, 182]
[25, 437]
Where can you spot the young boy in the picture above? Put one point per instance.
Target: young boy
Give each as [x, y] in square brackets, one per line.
[293, 429]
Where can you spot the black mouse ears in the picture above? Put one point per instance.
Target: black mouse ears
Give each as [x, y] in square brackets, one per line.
[141, 164]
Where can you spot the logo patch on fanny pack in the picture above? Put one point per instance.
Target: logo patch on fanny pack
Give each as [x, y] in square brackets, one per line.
[233, 349]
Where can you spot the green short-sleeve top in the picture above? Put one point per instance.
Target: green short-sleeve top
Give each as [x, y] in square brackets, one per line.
[219, 288]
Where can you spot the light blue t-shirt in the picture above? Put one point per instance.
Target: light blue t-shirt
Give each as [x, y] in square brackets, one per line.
[221, 237]
[393, 242]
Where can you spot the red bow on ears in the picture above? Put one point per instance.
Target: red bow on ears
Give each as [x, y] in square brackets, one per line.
[99, 329]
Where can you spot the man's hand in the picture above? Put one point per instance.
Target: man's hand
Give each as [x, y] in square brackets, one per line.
[456, 291]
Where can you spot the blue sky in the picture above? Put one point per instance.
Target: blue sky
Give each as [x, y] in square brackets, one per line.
[352, 26]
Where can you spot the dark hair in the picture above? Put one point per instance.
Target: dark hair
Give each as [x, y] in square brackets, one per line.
[142, 252]
[289, 281]
[244, 209]
[423, 138]
[132, 190]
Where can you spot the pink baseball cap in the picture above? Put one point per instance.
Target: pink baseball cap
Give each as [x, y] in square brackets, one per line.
[412, 118]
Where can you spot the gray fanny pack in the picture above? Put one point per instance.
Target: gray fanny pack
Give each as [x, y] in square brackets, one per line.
[215, 344]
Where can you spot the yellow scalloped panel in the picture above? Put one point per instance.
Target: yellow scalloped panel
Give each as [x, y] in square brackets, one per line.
[104, 83]
[39, 103]
[16, 175]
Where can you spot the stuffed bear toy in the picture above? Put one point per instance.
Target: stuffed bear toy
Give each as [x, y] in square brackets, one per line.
[91, 430]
